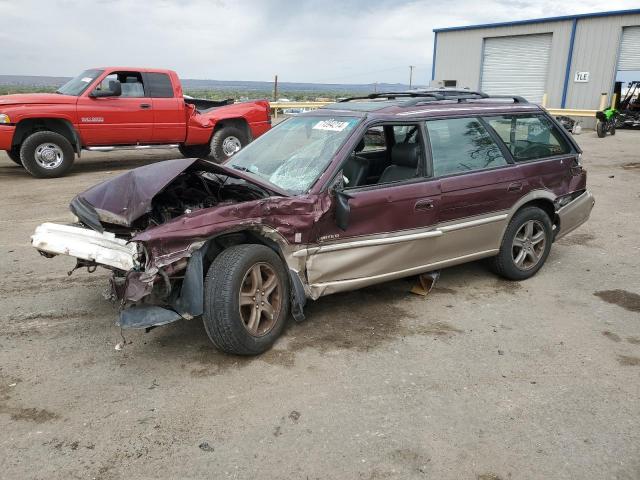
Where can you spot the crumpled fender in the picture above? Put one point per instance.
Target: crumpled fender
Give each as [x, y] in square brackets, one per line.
[292, 218]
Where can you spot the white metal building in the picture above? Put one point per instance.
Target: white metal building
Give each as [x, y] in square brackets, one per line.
[572, 58]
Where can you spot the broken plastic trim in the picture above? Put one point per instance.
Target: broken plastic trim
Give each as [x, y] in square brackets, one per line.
[86, 213]
[188, 304]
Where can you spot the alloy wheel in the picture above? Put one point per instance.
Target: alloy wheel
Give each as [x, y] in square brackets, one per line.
[260, 299]
[528, 245]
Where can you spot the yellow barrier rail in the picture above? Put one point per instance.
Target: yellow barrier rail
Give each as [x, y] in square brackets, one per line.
[275, 106]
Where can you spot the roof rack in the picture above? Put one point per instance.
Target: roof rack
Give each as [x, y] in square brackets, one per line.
[416, 97]
[394, 95]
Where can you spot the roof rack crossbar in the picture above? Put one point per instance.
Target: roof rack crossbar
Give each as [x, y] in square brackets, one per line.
[394, 95]
[515, 98]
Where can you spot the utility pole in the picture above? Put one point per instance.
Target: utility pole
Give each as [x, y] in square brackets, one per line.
[411, 67]
[275, 89]
[375, 87]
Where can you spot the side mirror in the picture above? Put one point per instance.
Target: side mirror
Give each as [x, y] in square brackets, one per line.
[343, 209]
[115, 90]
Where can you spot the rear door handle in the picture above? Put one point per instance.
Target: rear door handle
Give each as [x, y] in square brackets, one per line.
[145, 105]
[423, 205]
[514, 187]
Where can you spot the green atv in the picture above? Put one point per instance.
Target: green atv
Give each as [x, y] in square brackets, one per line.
[606, 122]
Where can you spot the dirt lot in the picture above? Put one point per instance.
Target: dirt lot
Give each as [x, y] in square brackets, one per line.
[483, 379]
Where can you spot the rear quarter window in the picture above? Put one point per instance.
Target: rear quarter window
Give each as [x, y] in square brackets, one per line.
[159, 85]
[529, 137]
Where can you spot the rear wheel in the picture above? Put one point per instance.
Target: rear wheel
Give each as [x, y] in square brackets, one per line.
[226, 142]
[14, 155]
[47, 154]
[246, 299]
[195, 151]
[525, 245]
[601, 129]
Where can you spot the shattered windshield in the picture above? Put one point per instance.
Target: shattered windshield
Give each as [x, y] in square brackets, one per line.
[296, 152]
[79, 84]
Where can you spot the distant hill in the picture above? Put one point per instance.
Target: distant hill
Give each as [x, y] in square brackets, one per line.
[195, 84]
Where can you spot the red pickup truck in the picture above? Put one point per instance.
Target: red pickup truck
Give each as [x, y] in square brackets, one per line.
[119, 107]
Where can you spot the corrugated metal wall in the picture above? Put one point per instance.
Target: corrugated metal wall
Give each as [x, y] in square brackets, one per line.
[459, 54]
[595, 50]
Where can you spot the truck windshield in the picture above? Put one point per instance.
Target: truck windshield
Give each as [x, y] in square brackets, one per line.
[295, 153]
[79, 84]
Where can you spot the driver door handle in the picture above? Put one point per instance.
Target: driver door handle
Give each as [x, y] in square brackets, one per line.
[145, 106]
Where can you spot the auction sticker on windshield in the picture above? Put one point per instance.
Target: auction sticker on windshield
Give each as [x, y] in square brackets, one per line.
[331, 125]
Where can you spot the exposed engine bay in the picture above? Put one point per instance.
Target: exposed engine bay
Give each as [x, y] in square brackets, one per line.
[196, 190]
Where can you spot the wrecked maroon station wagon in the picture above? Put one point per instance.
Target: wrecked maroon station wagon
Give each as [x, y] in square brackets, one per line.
[356, 193]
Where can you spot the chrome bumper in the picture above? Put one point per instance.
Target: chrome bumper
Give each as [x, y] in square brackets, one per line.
[575, 213]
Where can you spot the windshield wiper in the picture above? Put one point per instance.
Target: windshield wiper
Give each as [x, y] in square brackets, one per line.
[241, 168]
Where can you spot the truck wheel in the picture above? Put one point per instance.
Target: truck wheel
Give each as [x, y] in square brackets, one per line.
[195, 151]
[525, 245]
[14, 154]
[47, 154]
[246, 299]
[226, 142]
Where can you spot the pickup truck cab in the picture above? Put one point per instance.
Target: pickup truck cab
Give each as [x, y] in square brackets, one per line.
[120, 107]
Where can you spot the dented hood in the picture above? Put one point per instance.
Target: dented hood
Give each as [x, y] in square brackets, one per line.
[127, 197]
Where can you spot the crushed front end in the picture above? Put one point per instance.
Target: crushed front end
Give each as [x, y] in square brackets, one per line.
[153, 227]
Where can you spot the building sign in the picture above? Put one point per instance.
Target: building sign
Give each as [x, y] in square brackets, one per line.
[581, 77]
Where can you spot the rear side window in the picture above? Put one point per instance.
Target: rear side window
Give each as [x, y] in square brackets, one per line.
[159, 85]
[460, 145]
[529, 137]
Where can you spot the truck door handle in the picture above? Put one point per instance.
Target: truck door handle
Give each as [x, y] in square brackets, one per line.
[145, 105]
[423, 205]
[514, 187]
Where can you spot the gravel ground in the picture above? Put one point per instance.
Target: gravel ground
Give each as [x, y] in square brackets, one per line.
[482, 379]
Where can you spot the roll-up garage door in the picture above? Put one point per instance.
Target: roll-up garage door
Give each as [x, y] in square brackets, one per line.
[516, 65]
[630, 49]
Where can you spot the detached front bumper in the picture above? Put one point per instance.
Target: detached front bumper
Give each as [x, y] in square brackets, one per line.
[147, 298]
[575, 213]
[89, 245]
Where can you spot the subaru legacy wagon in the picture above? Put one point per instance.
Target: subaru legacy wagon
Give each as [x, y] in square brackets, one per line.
[359, 192]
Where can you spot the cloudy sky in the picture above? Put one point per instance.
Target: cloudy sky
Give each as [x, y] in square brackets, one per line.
[329, 41]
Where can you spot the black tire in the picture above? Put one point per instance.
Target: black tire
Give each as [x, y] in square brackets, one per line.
[612, 128]
[37, 140]
[195, 151]
[601, 130]
[14, 155]
[226, 134]
[504, 263]
[225, 279]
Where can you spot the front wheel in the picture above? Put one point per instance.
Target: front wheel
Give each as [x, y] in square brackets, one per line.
[246, 299]
[226, 142]
[195, 151]
[525, 245]
[612, 128]
[47, 154]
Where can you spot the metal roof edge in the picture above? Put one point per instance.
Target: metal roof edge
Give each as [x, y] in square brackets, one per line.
[541, 20]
